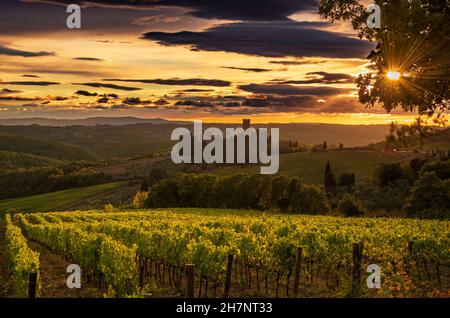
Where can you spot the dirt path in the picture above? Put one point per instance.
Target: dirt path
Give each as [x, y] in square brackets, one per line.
[53, 276]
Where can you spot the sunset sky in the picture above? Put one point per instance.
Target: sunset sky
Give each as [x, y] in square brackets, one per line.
[270, 60]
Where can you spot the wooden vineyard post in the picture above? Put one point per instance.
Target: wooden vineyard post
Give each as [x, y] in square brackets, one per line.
[141, 275]
[410, 255]
[190, 280]
[410, 248]
[298, 266]
[228, 275]
[32, 284]
[356, 275]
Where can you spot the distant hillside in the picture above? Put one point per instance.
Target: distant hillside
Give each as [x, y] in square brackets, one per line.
[104, 141]
[438, 140]
[44, 148]
[14, 160]
[310, 166]
[349, 135]
[91, 121]
[134, 140]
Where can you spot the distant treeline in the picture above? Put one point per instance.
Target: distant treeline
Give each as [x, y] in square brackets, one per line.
[416, 188]
[238, 191]
[24, 182]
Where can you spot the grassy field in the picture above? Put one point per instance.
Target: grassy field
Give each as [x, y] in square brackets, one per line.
[310, 166]
[56, 200]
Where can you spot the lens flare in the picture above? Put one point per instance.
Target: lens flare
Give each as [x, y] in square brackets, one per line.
[393, 75]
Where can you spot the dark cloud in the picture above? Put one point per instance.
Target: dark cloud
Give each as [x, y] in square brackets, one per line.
[30, 83]
[17, 98]
[283, 89]
[102, 100]
[298, 102]
[194, 90]
[85, 93]
[111, 41]
[21, 17]
[323, 78]
[5, 91]
[93, 59]
[234, 98]
[301, 62]
[262, 103]
[194, 103]
[250, 10]
[245, 10]
[15, 52]
[45, 100]
[112, 86]
[112, 95]
[134, 101]
[58, 69]
[60, 98]
[255, 70]
[176, 81]
[270, 102]
[161, 102]
[231, 104]
[277, 39]
[342, 105]
[280, 102]
[128, 101]
[256, 102]
[30, 75]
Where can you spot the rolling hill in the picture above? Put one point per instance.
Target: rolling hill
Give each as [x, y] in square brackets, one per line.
[104, 141]
[310, 166]
[124, 138]
[44, 148]
[437, 141]
[10, 160]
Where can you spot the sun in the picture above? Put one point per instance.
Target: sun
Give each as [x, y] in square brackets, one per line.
[393, 75]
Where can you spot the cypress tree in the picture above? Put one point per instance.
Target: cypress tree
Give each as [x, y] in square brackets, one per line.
[330, 180]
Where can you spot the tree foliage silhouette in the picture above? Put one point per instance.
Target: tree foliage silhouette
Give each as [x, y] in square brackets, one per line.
[414, 40]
